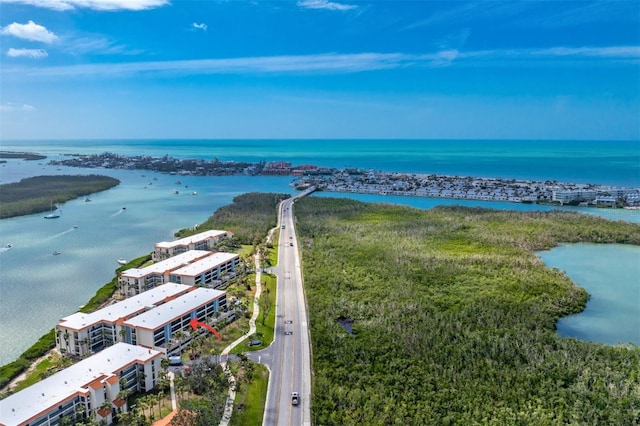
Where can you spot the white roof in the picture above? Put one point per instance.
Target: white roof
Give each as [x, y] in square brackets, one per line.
[125, 308]
[38, 398]
[202, 236]
[167, 265]
[203, 265]
[169, 311]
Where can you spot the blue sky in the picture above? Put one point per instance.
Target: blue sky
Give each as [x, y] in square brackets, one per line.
[85, 69]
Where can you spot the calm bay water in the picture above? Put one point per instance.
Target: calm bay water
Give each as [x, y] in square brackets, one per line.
[37, 288]
[611, 275]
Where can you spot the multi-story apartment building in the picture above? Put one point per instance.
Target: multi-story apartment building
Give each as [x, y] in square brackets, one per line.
[202, 241]
[82, 333]
[129, 320]
[207, 271]
[95, 386]
[159, 326]
[196, 266]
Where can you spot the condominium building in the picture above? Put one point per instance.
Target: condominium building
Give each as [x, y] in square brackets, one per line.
[202, 241]
[207, 271]
[94, 386]
[157, 327]
[82, 333]
[137, 280]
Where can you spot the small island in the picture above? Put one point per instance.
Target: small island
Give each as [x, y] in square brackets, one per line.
[29, 156]
[41, 193]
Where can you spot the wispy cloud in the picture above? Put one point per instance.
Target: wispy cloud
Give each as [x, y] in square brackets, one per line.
[104, 5]
[592, 52]
[11, 107]
[201, 26]
[27, 53]
[463, 12]
[570, 14]
[324, 63]
[332, 63]
[325, 4]
[98, 45]
[29, 31]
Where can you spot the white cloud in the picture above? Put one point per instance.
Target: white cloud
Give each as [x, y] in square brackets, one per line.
[325, 4]
[594, 52]
[333, 63]
[105, 5]
[98, 46]
[29, 31]
[202, 26]
[29, 53]
[10, 107]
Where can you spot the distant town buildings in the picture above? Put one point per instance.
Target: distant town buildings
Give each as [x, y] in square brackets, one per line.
[352, 180]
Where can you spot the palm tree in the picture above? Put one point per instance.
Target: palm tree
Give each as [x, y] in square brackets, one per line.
[66, 339]
[84, 343]
[160, 397]
[123, 334]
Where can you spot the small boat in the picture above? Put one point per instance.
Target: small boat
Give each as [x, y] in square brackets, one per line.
[55, 253]
[175, 191]
[8, 246]
[75, 226]
[194, 193]
[124, 208]
[87, 199]
[122, 261]
[54, 213]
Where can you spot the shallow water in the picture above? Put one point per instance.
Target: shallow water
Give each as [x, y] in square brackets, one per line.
[611, 275]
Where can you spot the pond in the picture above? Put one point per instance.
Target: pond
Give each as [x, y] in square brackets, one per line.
[611, 275]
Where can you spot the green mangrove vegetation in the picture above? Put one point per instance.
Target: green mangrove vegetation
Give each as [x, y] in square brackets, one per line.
[29, 156]
[249, 217]
[38, 194]
[447, 317]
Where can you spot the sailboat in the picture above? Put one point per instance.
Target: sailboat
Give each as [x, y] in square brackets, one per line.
[54, 213]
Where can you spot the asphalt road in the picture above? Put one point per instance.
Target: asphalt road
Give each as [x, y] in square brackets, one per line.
[289, 357]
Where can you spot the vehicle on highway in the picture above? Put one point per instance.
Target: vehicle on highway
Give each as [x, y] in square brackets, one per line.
[295, 399]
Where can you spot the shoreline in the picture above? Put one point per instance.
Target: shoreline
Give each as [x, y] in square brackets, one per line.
[370, 181]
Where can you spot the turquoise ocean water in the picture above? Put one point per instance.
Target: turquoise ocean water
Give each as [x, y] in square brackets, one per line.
[37, 288]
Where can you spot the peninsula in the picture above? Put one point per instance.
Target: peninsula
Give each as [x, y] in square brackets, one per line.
[378, 182]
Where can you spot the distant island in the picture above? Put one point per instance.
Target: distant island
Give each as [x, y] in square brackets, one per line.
[42, 193]
[377, 182]
[30, 156]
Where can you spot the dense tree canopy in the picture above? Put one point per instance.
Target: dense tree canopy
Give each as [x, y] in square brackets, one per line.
[37, 194]
[453, 318]
[249, 217]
